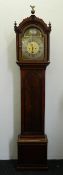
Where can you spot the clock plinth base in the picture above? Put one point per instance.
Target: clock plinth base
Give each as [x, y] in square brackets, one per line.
[21, 167]
[32, 152]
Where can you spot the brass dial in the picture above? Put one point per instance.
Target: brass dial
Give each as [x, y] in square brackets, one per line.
[32, 44]
[32, 47]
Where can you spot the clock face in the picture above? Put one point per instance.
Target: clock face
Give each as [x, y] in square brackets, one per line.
[32, 47]
[32, 44]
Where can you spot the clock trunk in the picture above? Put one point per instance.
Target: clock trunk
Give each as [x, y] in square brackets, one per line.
[33, 100]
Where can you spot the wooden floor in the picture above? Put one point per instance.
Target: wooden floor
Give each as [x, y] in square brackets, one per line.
[8, 167]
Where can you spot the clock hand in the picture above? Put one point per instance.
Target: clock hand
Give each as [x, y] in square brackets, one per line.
[32, 48]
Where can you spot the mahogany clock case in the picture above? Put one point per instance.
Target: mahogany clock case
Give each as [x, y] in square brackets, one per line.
[32, 141]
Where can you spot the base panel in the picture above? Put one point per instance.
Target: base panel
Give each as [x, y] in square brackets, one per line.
[32, 153]
[21, 167]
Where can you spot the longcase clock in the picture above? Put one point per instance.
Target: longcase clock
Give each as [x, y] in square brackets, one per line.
[32, 49]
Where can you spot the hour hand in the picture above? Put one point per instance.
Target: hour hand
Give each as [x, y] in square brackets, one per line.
[32, 48]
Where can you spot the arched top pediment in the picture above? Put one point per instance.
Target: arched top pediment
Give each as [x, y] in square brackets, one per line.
[32, 21]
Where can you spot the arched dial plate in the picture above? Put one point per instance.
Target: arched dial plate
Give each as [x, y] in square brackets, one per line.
[32, 44]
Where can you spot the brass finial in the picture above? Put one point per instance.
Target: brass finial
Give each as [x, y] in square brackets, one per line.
[15, 26]
[50, 26]
[32, 9]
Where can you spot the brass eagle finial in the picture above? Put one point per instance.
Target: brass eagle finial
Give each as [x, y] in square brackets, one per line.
[32, 9]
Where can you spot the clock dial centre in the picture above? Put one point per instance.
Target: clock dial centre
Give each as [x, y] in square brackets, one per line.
[32, 47]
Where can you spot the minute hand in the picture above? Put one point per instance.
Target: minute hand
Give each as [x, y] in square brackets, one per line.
[32, 48]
